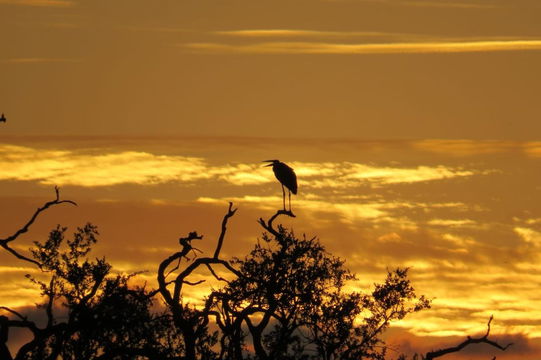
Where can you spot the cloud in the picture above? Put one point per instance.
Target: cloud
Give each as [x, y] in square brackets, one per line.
[346, 212]
[88, 169]
[462, 147]
[533, 149]
[70, 168]
[390, 175]
[452, 222]
[40, 3]
[375, 214]
[289, 33]
[298, 47]
[530, 236]
[13, 294]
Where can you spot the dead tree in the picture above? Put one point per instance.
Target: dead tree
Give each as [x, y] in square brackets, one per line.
[191, 321]
[469, 341]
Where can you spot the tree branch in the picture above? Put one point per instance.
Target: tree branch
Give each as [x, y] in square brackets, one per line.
[5, 242]
[24, 318]
[469, 340]
[194, 282]
[268, 225]
[230, 213]
[214, 273]
[24, 322]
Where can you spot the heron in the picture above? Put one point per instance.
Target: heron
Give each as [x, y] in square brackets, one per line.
[3, 118]
[286, 176]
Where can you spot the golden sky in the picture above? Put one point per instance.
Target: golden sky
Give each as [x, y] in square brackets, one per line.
[413, 127]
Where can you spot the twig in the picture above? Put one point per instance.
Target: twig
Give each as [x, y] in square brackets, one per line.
[193, 283]
[173, 269]
[215, 275]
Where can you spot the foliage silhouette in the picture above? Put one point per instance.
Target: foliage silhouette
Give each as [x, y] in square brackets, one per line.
[286, 299]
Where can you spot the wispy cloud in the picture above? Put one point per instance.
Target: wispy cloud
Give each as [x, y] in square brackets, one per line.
[463, 147]
[530, 236]
[66, 167]
[41, 3]
[298, 47]
[452, 222]
[70, 168]
[297, 33]
[468, 147]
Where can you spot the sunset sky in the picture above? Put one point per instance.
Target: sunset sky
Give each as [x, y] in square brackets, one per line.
[413, 127]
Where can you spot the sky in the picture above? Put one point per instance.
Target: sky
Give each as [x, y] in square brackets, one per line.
[412, 126]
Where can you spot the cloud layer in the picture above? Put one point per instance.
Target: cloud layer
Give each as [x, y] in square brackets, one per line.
[460, 213]
[297, 47]
[66, 167]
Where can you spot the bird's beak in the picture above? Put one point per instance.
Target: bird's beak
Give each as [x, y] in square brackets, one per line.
[270, 161]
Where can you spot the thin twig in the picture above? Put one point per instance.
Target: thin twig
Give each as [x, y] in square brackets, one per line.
[215, 275]
[193, 283]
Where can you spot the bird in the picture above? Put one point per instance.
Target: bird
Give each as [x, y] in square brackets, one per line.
[286, 176]
[3, 118]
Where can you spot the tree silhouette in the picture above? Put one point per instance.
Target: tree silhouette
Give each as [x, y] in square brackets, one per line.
[104, 318]
[190, 320]
[286, 299]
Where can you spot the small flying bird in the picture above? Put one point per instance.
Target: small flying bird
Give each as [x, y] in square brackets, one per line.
[3, 118]
[286, 176]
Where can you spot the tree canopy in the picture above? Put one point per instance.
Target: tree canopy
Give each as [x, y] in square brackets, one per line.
[285, 299]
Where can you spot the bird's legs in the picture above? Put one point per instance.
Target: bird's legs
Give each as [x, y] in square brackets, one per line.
[284, 197]
[289, 192]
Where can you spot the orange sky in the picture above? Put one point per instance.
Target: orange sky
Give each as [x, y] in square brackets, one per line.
[412, 125]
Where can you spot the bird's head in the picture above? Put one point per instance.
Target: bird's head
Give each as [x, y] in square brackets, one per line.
[272, 162]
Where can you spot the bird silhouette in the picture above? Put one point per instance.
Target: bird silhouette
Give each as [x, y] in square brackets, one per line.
[286, 176]
[3, 118]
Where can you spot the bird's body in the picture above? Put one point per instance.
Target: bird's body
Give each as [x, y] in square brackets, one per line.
[286, 176]
[3, 118]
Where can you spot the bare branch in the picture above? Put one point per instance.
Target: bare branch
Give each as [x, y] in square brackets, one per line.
[484, 339]
[193, 283]
[19, 256]
[214, 273]
[24, 322]
[230, 213]
[192, 322]
[173, 269]
[5, 242]
[268, 225]
[14, 313]
[47, 205]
